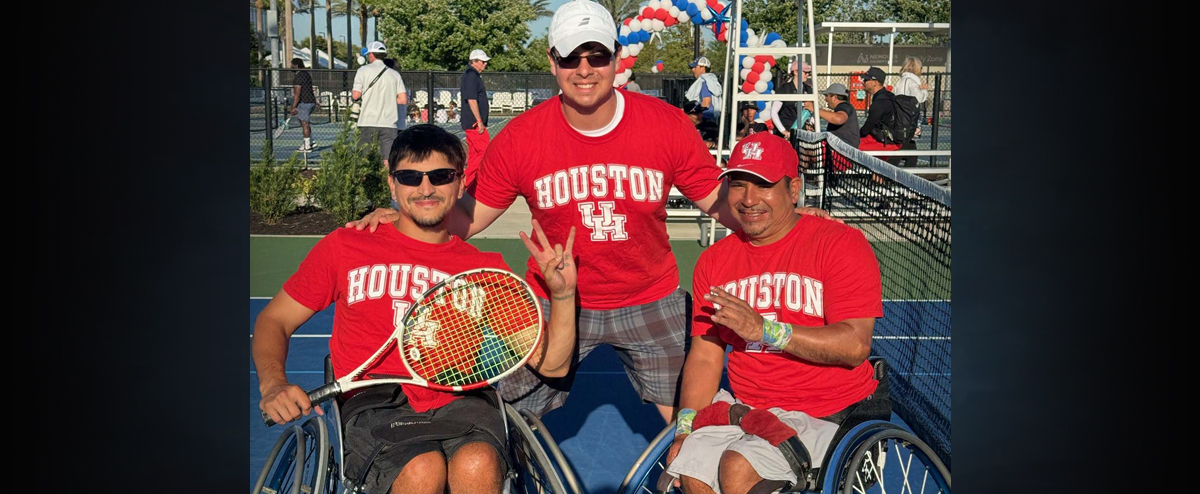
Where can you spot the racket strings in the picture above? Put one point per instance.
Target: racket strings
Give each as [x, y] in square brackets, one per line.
[472, 330]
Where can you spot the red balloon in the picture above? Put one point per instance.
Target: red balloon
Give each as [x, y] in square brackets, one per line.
[762, 58]
[752, 77]
[770, 60]
[647, 12]
[670, 21]
[715, 5]
[661, 14]
[627, 63]
[747, 87]
[721, 37]
[627, 21]
[758, 67]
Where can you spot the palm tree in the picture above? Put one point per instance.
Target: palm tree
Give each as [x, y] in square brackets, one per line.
[288, 37]
[541, 8]
[363, 10]
[308, 7]
[620, 9]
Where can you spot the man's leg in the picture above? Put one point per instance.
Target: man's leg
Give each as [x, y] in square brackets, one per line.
[736, 474]
[475, 469]
[425, 474]
[651, 340]
[476, 145]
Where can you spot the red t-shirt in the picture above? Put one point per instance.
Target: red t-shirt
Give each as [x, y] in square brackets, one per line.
[613, 189]
[822, 272]
[374, 278]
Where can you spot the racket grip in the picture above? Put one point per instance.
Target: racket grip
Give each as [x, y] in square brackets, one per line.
[315, 397]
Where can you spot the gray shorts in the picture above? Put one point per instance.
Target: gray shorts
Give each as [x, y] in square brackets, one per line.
[304, 111]
[650, 339]
[386, 136]
[700, 455]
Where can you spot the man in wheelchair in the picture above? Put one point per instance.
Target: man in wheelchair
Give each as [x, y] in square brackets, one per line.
[405, 439]
[796, 298]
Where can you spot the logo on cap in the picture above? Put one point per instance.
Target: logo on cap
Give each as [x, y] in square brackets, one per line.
[584, 21]
[752, 151]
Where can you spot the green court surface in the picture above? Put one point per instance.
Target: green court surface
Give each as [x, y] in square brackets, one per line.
[273, 259]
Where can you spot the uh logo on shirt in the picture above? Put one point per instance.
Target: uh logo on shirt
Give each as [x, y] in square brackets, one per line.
[578, 184]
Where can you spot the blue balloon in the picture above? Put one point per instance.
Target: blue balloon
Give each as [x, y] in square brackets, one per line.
[772, 36]
[645, 36]
[692, 11]
[681, 4]
[744, 44]
[623, 40]
[744, 37]
[696, 19]
[762, 105]
[770, 86]
[745, 24]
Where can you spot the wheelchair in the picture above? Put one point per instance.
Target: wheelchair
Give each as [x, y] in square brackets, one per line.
[305, 460]
[868, 455]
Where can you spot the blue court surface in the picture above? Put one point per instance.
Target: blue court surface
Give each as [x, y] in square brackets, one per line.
[604, 426]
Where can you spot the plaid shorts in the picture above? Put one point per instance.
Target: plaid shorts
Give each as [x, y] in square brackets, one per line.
[650, 339]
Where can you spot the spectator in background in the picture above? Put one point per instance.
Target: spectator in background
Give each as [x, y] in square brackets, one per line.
[708, 129]
[880, 113]
[786, 114]
[843, 120]
[910, 84]
[633, 85]
[475, 118]
[380, 93]
[401, 108]
[706, 90]
[303, 102]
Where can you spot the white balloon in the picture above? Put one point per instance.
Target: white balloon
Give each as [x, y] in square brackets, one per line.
[749, 32]
[760, 86]
[360, 60]
[747, 62]
[765, 76]
[765, 114]
[745, 73]
[647, 24]
[706, 15]
[751, 40]
[673, 12]
[779, 44]
[654, 69]
[635, 25]
[620, 79]
[624, 30]
[654, 5]
[683, 17]
[624, 53]
[635, 49]
[659, 25]
[699, 4]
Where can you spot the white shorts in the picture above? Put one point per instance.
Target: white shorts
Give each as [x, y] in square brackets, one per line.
[700, 455]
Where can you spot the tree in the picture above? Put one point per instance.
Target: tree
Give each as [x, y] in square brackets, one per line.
[438, 34]
[339, 49]
[541, 8]
[621, 9]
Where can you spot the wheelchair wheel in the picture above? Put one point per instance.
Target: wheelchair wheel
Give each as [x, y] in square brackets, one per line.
[649, 466]
[891, 459]
[560, 462]
[299, 461]
[535, 473]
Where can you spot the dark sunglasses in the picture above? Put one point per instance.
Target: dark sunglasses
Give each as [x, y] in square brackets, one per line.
[412, 178]
[595, 59]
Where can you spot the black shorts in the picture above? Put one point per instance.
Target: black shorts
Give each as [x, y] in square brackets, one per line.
[380, 409]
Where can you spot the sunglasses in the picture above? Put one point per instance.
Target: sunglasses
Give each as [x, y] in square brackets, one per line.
[412, 178]
[595, 59]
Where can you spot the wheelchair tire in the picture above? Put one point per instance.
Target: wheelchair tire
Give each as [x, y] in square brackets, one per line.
[885, 458]
[535, 472]
[651, 463]
[561, 466]
[282, 474]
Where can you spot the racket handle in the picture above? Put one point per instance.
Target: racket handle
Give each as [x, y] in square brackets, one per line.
[315, 397]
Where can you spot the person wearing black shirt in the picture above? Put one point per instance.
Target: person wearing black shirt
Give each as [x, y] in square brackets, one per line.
[303, 102]
[881, 110]
[786, 113]
[843, 121]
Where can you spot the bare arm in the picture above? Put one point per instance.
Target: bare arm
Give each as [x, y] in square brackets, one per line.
[702, 372]
[272, 329]
[356, 95]
[402, 98]
[706, 102]
[475, 111]
[846, 342]
[716, 205]
[553, 358]
[834, 117]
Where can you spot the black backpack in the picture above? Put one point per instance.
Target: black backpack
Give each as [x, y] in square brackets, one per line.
[904, 120]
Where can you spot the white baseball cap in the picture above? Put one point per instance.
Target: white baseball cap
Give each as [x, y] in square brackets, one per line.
[478, 55]
[702, 61]
[376, 47]
[578, 22]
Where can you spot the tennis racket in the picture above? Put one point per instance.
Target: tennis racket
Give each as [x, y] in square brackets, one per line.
[464, 333]
[279, 131]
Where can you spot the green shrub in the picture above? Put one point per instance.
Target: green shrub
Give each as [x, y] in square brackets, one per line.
[274, 188]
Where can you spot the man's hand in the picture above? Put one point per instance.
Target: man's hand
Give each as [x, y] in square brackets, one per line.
[286, 402]
[375, 218]
[818, 212]
[674, 451]
[557, 263]
[295, 110]
[735, 314]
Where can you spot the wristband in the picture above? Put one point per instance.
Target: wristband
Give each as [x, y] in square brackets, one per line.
[776, 333]
[683, 424]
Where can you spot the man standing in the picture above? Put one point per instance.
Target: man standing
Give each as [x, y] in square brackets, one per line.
[706, 90]
[843, 121]
[303, 102]
[475, 117]
[380, 93]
